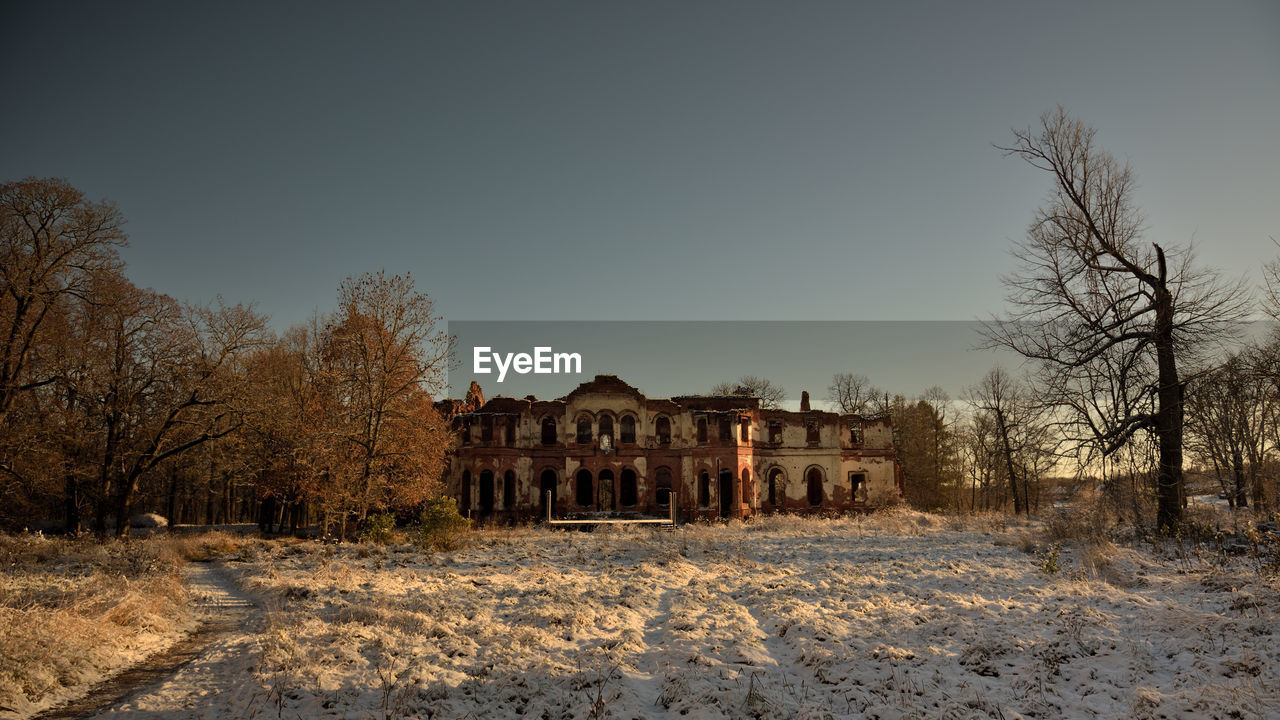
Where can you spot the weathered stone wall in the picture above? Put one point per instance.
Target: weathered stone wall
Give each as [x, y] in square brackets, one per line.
[814, 457]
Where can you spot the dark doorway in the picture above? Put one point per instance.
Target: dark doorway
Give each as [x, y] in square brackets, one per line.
[606, 490]
[663, 492]
[704, 489]
[726, 493]
[815, 487]
[547, 484]
[508, 490]
[775, 487]
[486, 492]
[584, 493]
[627, 494]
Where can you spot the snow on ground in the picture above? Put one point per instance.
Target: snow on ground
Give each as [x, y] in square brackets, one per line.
[73, 612]
[784, 618]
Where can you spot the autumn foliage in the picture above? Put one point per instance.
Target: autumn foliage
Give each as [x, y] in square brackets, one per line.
[116, 400]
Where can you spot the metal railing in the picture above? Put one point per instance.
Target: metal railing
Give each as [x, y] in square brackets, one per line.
[667, 521]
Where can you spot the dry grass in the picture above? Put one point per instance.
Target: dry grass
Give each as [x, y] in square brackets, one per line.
[894, 614]
[73, 609]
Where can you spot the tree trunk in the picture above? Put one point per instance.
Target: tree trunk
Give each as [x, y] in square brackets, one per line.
[1019, 503]
[1169, 416]
[1240, 489]
[72, 503]
[123, 501]
[171, 508]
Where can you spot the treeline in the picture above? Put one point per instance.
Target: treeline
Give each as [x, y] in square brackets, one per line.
[117, 400]
[1006, 446]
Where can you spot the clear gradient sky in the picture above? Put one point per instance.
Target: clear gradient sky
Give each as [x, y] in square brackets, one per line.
[632, 160]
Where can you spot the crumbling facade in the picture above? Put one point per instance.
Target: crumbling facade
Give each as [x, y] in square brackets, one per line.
[607, 448]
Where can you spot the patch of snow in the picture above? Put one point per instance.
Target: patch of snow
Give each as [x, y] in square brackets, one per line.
[776, 619]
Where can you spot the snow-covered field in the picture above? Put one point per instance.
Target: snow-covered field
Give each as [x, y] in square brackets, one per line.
[785, 618]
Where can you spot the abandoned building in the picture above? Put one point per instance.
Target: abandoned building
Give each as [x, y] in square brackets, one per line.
[605, 447]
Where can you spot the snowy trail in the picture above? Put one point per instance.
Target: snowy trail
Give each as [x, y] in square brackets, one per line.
[181, 681]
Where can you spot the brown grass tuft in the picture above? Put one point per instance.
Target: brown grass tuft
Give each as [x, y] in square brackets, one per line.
[72, 608]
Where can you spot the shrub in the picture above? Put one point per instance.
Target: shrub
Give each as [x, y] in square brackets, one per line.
[1050, 559]
[378, 529]
[440, 526]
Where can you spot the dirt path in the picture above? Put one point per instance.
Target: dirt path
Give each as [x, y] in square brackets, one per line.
[223, 613]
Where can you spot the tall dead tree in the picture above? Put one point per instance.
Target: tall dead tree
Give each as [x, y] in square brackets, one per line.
[1088, 286]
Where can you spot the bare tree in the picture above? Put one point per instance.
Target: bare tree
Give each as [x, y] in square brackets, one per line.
[1015, 422]
[1228, 409]
[853, 393]
[158, 380]
[1088, 286]
[1271, 287]
[980, 451]
[771, 396]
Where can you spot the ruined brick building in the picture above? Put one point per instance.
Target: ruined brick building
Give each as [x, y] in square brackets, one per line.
[605, 447]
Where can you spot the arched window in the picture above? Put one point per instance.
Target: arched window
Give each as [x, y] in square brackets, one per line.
[662, 428]
[627, 491]
[508, 490]
[606, 426]
[775, 486]
[704, 489]
[548, 430]
[546, 484]
[662, 481]
[584, 430]
[628, 431]
[702, 430]
[584, 493]
[815, 486]
[812, 432]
